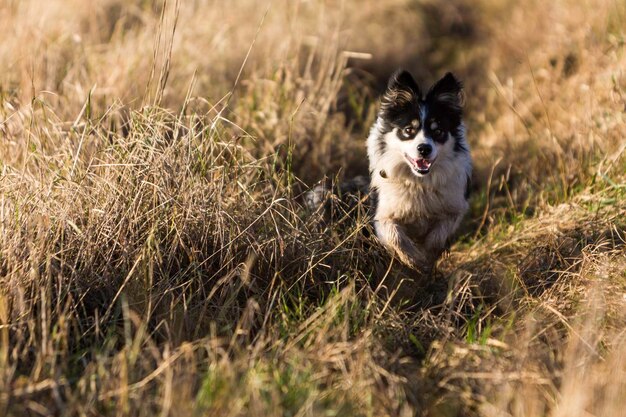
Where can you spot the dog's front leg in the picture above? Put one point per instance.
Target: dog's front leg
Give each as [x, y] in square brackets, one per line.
[394, 237]
[438, 239]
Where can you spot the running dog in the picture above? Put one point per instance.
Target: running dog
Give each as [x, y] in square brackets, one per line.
[420, 168]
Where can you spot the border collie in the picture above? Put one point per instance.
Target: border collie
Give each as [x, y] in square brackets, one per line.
[420, 169]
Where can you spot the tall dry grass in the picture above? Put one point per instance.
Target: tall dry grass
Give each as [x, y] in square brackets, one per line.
[155, 257]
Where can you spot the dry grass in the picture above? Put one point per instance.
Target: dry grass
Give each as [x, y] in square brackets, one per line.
[155, 258]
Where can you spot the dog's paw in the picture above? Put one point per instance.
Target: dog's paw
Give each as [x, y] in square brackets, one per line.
[424, 269]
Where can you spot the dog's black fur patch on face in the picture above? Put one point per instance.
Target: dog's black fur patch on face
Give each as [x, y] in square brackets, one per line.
[444, 102]
[402, 107]
[409, 130]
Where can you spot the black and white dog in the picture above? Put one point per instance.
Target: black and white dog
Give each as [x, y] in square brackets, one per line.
[420, 169]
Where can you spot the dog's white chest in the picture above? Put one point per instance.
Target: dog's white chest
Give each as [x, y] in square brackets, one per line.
[406, 202]
[421, 202]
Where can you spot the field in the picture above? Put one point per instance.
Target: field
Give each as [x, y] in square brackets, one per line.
[156, 257]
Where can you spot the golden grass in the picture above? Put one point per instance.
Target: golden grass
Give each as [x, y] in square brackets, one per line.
[155, 257]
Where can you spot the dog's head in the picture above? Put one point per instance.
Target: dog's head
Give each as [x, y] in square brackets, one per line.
[420, 130]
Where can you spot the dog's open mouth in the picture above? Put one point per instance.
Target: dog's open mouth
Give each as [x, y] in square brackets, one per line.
[420, 165]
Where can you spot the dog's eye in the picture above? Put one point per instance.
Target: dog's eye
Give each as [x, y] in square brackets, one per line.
[409, 131]
[437, 133]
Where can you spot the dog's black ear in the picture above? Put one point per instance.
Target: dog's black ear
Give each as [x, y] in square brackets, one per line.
[401, 90]
[448, 90]
[403, 80]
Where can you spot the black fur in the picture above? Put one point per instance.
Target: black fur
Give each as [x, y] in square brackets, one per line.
[444, 103]
[468, 187]
[402, 106]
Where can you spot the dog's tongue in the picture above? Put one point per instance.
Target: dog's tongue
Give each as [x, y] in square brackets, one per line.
[422, 163]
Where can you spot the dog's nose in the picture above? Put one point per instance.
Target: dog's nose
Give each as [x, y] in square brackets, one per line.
[424, 149]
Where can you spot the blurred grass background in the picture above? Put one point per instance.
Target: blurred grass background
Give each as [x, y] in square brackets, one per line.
[155, 257]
